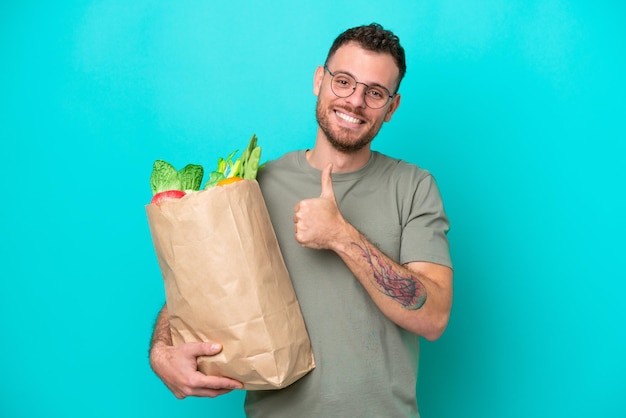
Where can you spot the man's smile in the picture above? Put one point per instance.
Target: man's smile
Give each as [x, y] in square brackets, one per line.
[348, 118]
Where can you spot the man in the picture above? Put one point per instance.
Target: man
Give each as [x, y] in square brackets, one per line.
[368, 258]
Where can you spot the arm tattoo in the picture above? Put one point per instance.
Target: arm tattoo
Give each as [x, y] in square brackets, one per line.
[405, 289]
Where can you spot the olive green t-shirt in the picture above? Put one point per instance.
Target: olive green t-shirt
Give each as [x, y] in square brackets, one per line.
[366, 366]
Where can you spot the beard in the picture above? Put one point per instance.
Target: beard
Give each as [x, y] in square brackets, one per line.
[343, 139]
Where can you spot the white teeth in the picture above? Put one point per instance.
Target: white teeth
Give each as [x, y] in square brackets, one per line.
[348, 118]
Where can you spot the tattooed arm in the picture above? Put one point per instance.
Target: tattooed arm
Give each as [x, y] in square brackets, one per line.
[416, 296]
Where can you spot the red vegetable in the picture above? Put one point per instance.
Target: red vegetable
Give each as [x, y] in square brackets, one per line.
[167, 195]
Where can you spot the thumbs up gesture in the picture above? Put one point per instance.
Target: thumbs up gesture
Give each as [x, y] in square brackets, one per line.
[318, 222]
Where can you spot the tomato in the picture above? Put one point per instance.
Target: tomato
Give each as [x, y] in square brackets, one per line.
[166, 195]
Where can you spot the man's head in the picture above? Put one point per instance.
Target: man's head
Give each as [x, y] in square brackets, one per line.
[373, 38]
[357, 87]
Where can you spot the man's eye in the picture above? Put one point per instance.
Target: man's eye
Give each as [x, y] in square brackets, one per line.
[343, 82]
[376, 94]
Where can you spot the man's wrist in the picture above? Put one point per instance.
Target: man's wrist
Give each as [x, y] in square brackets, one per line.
[156, 352]
[345, 240]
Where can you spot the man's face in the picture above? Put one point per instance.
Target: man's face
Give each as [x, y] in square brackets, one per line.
[348, 123]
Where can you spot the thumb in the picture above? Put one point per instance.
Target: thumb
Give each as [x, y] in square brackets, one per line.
[327, 183]
[206, 349]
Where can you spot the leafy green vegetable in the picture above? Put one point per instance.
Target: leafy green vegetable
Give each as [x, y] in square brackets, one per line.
[164, 177]
[250, 159]
[252, 165]
[245, 167]
[234, 168]
[191, 177]
[214, 178]
[246, 154]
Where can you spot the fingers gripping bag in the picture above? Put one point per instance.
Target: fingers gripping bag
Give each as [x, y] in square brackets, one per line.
[224, 276]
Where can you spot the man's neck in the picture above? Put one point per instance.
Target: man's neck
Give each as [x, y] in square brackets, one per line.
[323, 153]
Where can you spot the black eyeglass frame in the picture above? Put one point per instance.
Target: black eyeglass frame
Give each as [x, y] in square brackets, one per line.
[367, 87]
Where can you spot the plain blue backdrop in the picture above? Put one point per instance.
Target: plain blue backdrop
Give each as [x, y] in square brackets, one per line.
[517, 107]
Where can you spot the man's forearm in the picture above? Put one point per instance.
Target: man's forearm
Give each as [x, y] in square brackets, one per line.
[391, 279]
[161, 333]
[378, 272]
[416, 297]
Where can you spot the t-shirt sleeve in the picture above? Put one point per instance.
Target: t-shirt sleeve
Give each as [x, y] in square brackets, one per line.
[424, 234]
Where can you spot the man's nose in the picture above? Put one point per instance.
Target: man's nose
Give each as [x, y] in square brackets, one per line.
[357, 98]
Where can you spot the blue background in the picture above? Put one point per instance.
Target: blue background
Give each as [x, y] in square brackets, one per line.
[517, 107]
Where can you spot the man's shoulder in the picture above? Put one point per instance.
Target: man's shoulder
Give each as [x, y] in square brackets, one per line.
[288, 158]
[399, 167]
[280, 169]
[285, 161]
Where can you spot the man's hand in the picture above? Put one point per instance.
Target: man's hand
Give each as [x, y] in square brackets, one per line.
[318, 222]
[178, 368]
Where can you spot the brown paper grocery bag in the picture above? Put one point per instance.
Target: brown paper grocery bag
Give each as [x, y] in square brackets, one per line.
[226, 281]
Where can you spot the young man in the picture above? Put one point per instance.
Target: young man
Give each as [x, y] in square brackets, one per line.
[364, 239]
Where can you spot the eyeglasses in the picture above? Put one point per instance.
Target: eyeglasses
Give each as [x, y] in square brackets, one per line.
[343, 85]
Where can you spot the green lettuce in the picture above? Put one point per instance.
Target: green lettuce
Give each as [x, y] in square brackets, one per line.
[164, 177]
[191, 177]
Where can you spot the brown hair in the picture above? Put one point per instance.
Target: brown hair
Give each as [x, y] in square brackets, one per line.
[373, 37]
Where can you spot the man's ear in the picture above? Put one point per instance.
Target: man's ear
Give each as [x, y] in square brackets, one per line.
[317, 80]
[395, 102]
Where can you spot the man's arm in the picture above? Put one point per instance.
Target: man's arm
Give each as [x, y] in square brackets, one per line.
[177, 366]
[417, 296]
